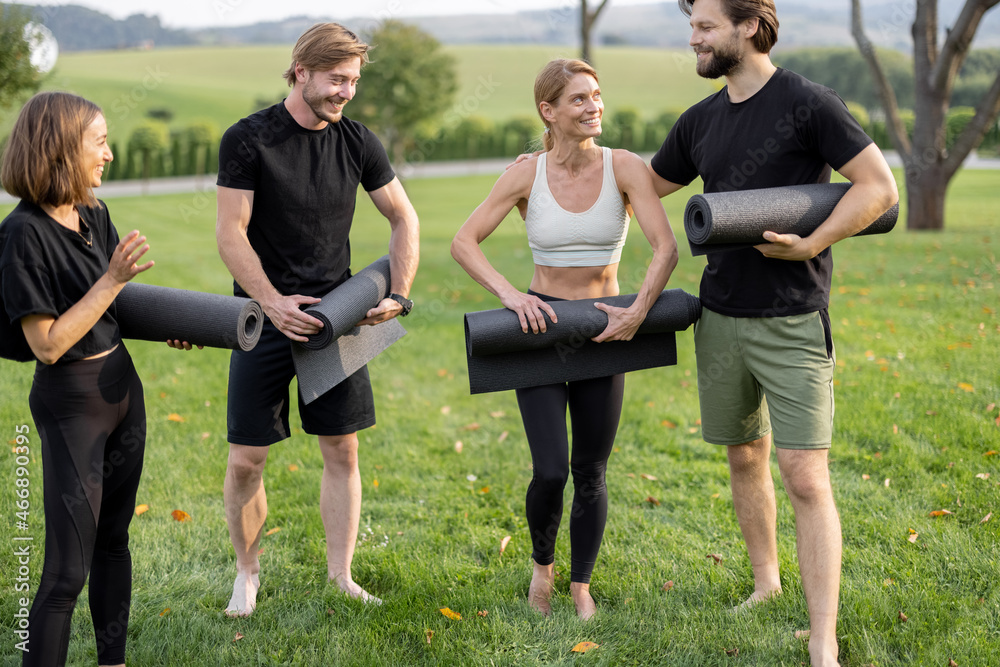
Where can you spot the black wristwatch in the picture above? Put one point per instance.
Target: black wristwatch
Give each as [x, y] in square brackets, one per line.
[407, 304]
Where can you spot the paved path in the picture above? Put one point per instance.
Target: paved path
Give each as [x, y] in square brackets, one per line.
[183, 184]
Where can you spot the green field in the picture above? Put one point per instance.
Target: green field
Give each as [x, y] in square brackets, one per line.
[221, 84]
[917, 331]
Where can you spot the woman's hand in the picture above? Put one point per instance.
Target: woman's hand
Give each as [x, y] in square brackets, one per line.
[622, 322]
[182, 345]
[122, 265]
[529, 309]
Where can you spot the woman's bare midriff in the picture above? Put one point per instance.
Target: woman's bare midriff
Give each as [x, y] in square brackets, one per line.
[101, 354]
[576, 282]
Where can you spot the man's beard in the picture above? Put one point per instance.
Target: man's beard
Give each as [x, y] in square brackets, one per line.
[318, 104]
[722, 62]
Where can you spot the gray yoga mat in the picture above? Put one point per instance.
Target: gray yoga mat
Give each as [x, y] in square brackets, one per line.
[155, 313]
[720, 221]
[501, 356]
[342, 348]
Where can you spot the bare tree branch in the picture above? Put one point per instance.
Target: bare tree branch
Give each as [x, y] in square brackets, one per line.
[956, 45]
[986, 115]
[887, 94]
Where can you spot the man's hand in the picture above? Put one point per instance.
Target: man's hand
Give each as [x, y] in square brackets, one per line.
[622, 323]
[522, 157]
[385, 310]
[787, 246]
[182, 345]
[286, 314]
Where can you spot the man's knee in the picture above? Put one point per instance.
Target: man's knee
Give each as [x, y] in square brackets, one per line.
[339, 450]
[246, 464]
[750, 457]
[808, 487]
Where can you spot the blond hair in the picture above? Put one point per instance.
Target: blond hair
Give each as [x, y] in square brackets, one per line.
[323, 47]
[550, 84]
[43, 161]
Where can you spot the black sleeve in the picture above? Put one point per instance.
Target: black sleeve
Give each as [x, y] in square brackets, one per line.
[376, 171]
[25, 281]
[237, 160]
[834, 132]
[673, 162]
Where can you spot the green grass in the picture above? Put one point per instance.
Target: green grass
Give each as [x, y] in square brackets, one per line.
[916, 326]
[126, 84]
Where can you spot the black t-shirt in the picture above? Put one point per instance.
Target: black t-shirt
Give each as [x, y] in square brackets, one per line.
[790, 133]
[46, 268]
[305, 185]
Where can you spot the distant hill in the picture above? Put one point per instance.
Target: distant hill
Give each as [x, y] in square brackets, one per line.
[803, 23]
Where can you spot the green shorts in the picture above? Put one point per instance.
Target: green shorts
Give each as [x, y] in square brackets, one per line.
[755, 372]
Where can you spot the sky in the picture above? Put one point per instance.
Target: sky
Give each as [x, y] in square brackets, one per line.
[207, 13]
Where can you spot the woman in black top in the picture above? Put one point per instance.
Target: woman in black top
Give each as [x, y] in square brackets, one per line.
[61, 267]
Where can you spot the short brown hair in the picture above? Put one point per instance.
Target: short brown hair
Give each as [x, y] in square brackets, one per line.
[324, 46]
[739, 11]
[551, 82]
[43, 161]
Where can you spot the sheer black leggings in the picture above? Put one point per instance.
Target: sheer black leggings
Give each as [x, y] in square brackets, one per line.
[91, 421]
[595, 407]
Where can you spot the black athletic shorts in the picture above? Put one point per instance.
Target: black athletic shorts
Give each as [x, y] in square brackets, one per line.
[258, 396]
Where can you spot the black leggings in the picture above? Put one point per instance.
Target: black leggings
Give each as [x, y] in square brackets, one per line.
[91, 421]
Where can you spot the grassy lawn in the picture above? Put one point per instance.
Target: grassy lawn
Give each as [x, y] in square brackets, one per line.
[917, 333]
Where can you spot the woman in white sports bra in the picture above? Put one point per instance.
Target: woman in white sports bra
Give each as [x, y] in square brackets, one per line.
[575, 198]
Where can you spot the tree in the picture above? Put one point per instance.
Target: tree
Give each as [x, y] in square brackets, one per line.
[149, 138]
[929, 160]
[587, 20]
[408, 82]
[17, 74]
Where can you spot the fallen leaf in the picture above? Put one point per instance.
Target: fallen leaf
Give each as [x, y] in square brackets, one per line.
[952, 663]
[895, 429]
[165, 611]
[965, 386]
[482, 613]
[485, 489]
[272, 531]
[448, 613]
[903, 617]
[986, 518]
[931, 413]
[992, 452]
[206, 436]
[504, 542]
[503, 436]
[329, 612]
[716, 557]
[888, 582]
[667, 423]
[239, 636]
[937, 513]
[802, 634]
[497, 414]
[982, 475]
[474, 426]
[442, 372]
[886, 482]
[375, 483]
[163, 394]
[583, 647]
[293, 468]
[668, 586]
[866, 477]
[458, 446]
[652, 501]
[734, 652]
[428, 633]
[445, 409]
[141, 509]
[180, 515]
[651, 478]
[913, 537]
[693, 429]
[989, 408]
[715, 496]
[174, 417]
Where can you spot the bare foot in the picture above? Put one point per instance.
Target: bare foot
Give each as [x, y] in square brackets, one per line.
[585, 606]
[348, 586]
[755, 599]
[540, 589]
[823, 653]
[244, 599]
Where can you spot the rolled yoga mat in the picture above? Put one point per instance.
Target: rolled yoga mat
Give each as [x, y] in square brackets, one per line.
[719, 221]
[501, 356]
[151, 312]
[342, 348]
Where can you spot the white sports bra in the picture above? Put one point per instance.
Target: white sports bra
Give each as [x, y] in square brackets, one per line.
[594, 237]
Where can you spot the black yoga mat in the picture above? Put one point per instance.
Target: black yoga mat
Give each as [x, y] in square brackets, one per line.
[342, 348]
[502, 357]
[719, 221]
[151, 312]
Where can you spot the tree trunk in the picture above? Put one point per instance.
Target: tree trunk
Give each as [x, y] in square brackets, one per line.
[926, 187]
[587, 20]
